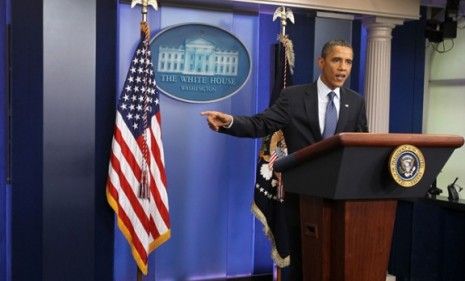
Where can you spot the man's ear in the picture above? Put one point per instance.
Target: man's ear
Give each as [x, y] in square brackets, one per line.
[321, 62]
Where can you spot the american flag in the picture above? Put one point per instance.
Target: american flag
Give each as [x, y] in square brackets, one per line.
[136, 186]
[268, 205]
[278, 152]
[273, 158]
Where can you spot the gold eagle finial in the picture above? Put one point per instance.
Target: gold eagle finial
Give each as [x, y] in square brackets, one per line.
[284, 14]
[144, 9]
[145, 3]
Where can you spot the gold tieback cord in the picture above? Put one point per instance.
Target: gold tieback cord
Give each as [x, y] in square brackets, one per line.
[145, 30]
[144, 191]
[289, 56]
[285, 71]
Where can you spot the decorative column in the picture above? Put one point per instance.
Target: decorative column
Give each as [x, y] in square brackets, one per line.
[378, 71]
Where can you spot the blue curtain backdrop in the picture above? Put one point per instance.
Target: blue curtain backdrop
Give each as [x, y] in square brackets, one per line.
[4, 194]
[210, 175]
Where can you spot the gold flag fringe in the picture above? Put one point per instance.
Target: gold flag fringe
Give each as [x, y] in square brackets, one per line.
[277, 259]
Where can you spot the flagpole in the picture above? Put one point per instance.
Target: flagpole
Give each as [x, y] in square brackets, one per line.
[145, 34]
[284, 14]
[139, 274]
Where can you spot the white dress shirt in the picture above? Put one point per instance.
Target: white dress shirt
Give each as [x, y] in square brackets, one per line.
[323, 92]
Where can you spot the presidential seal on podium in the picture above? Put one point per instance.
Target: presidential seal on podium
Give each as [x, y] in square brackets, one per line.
[407, 165]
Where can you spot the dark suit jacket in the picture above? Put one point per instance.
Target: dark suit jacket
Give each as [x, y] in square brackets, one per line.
[296, 113]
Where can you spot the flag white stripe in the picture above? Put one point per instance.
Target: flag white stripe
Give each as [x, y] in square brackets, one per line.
[126, 205]
[156, 170]
[129, 138]
[127, 172]
[149, 208]
[133, 182]
[156, 131]
[153, 210]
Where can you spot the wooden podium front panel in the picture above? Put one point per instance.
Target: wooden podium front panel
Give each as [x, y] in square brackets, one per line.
[315, 221]
[346, 240]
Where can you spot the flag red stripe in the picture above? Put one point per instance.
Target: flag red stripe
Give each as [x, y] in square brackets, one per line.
[155, 190]
[160, 205]
[135, 239]
[150, 226]
[158, 151]
[125, 186]
[129, 194]
[112, 190]
[153, 186]
[127, 153]
[157, 154]
[155, 151]
[154, 230]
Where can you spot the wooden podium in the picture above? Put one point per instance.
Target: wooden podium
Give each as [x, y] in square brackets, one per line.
[348, 199]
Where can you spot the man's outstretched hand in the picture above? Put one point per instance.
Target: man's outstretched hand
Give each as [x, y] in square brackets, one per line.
[217, 119]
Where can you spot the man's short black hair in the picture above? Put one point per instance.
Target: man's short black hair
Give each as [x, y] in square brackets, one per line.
[333, 43]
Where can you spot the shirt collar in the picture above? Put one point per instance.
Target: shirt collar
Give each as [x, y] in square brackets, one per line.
[323, 90]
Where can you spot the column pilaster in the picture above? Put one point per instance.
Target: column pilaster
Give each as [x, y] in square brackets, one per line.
[378, 71]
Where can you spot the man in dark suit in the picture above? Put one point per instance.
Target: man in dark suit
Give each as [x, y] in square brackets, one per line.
[306, 114]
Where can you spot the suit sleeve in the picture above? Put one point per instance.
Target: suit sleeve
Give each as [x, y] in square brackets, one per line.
[271, 120]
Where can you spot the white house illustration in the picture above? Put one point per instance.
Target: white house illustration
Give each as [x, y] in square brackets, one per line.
[198, 56]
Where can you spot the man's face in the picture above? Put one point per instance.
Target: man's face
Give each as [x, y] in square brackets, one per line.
[336, 66]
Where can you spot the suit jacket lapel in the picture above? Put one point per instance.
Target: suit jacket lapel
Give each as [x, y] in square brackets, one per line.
[311, 106]
[343, 112]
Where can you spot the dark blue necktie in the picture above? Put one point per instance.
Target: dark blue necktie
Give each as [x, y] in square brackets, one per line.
[330, 117]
